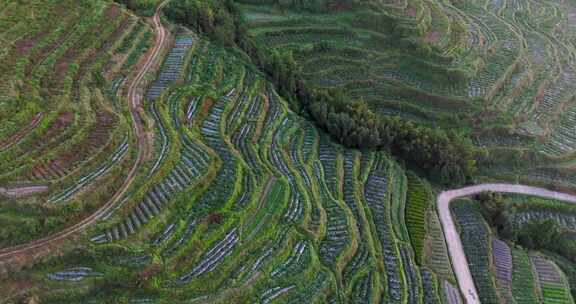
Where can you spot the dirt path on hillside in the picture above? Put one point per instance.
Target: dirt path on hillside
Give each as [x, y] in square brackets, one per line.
[457, 255]
[16, 192]
[134, 99]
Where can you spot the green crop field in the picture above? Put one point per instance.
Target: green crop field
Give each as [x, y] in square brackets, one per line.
[500, 71]
[258, 151]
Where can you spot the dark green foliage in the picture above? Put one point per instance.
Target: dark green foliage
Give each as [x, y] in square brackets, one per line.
[546, 235]
[535, 235]
[445, 156]
[305, 5]
[217, 19]
[144, 7]
[493, 211]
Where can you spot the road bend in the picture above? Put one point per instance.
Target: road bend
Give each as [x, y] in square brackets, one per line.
[457, 254]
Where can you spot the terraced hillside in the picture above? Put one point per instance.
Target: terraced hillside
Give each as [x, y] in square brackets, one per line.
[500, 71]
[63, 129]
[195, 181]
[505, 273]
[237, 191]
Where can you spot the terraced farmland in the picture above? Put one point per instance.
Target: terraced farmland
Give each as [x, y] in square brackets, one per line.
[142, 161]
[500, 68]
[475, 235]
[553, 286]
[513, 274]
[60, 129]
[241, 192]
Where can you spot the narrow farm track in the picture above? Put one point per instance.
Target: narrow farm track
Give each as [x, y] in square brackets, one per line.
[134, 100]
[457, 254]
[22, 133]
[22, 191]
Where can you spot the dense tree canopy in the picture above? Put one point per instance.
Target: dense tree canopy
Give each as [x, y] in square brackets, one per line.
[536, 235]
[218, 19]
[144, 7]
[445, 157]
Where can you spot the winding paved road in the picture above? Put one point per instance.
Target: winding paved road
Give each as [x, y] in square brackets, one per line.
[134, 100]
[457, 255]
